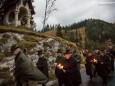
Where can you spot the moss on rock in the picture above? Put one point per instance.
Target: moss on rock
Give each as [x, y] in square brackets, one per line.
[31, 38]
[27, 45]
[47, 44]
[4, 38]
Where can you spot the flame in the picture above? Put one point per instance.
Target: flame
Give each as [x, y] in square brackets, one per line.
[60, 66]
[95, 60]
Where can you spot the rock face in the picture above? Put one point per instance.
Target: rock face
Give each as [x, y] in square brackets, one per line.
[48, 45]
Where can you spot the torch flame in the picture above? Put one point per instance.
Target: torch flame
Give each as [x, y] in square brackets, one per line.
[95, 60]
[60, 66]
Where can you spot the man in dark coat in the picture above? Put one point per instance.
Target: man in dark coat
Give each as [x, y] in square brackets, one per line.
[42, 64]
[112, 52]
[103, 67]
[112, 61]
[24, 69]
[77, 58]
[89, 65]
[58, 72]
[71, 72]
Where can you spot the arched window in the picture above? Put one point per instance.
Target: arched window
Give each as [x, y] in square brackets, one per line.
[11, 17]
[22, 16]
[24, 21]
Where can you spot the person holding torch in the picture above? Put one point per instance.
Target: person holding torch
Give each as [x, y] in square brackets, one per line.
[72, 76]
[58, 67]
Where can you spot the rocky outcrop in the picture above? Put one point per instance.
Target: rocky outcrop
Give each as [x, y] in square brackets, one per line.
[32, 44]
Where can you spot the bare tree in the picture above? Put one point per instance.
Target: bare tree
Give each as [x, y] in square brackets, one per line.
[49, 8]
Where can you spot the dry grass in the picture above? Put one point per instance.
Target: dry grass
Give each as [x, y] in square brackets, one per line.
[51, 33]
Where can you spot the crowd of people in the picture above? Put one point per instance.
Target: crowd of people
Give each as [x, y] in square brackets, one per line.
[100, 62]
[67, 66]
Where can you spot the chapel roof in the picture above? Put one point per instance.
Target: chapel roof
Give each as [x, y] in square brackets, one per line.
[8, 3]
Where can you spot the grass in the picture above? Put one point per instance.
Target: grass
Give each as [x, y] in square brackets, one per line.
[4, 29]
[71, 44]
[51, 33]
[27, 45]
[31, 38]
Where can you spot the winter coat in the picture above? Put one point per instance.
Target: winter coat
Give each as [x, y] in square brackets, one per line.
[26, 70]
[104, 69]
[112, 52]
[89, 65]
[78, 59]
[72, 74]
[58, 72]
[42, 65]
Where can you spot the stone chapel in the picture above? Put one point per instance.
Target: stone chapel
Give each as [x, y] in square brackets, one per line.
[17, 13]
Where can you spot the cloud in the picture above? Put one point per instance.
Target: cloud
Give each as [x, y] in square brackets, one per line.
[70, 11]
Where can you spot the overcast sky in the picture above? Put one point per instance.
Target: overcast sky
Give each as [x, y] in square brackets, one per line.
[70, 11]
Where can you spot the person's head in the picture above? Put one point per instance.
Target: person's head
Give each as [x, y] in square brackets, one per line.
[40, 53]
[15, 49]
[110, 47]
[59, 52]
[25, 50]
[102, 53]
[67, 54]
[89, 54]
[85, 51]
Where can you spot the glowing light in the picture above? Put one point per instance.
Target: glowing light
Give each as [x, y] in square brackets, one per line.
[95, 60]
[60, 66]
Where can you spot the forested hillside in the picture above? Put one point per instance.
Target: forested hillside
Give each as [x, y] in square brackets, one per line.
[98, 33]
[91, 33]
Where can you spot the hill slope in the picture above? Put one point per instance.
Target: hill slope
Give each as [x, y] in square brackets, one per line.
[94, 33]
